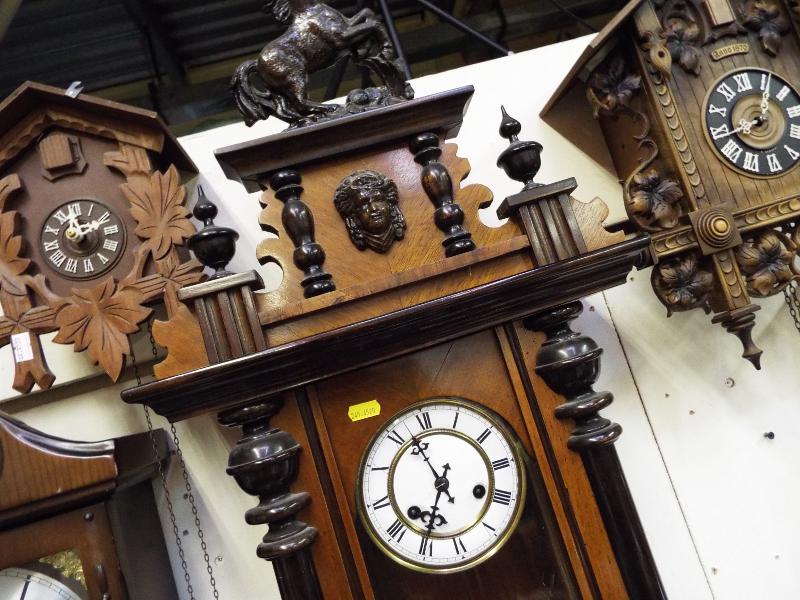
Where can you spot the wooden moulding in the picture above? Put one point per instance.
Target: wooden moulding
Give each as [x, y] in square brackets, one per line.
[252, 161]
[241, 380]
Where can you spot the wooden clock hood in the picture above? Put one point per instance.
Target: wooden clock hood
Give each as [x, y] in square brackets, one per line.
[724, 229]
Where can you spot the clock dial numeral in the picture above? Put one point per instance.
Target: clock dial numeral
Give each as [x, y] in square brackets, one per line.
[425, 546]
[794, 131]
[396, 437]
[720, 132]
[61, 216]
[459, 545]
[774, 163]
[726, 91]
[732, 150]
[763, 84]
[424, 420]
[111, 245]
[719, 111]
[396, 529]
[793, 111]
[489, 527]
[379, 468]
[482, 437]
[57, 258]
[51, 246]
[502, 497]
[102, 258]
[794, 154]
[455, 420]
[53, 230]
[500, 463]
[91, 208]
[382, 503]
[104, 218]
[742, 82]
[88, 267]
[782, 93]
[751, 162]
[72, 266]
[110, 230]
[75, 209]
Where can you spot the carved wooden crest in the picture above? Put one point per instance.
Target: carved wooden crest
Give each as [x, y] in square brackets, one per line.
[90, 277]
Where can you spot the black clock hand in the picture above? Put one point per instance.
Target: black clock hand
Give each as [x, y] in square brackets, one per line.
[443, 484]
[415, 442]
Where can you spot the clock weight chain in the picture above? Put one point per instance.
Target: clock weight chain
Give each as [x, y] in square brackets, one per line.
[791, 293]
[187, 485]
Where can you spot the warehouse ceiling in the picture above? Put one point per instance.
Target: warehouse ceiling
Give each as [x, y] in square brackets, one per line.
[176, 56]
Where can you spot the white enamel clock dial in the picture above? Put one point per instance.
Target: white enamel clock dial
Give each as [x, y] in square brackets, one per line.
[441, 485]
[24, 584]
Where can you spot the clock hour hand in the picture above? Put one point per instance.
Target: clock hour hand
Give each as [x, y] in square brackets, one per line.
[420, 449]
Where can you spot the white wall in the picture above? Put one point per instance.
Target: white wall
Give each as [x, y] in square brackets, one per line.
[716, 498]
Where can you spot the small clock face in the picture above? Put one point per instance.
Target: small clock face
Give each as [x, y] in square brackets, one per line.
[752, 119]
[441, 486]
[82, 239]
[24, 584]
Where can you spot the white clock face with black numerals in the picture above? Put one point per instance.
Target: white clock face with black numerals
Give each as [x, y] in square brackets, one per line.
[752, 119]
[82, 239]
[441, 485]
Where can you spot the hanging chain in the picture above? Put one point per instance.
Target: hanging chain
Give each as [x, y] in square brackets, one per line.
[187, 484]
[164, 487]
[791, 294]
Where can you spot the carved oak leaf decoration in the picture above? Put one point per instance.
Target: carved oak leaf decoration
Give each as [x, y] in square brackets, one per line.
[767, 262]
[653, 201]
[681, 284]
[682, 39]
[764, 17]
[157, 204]
[611, 89]
[100, 319]
[12, 265]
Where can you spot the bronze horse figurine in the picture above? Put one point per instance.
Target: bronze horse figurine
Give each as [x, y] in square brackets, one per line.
[317, 36]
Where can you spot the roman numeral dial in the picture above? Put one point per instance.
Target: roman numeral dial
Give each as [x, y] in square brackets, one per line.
[441, 485]
[752, 120]
[82, 239]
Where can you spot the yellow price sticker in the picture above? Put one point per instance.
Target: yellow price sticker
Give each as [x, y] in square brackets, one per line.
[364, 410]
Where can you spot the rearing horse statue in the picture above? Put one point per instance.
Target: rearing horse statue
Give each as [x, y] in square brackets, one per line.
[317, 36]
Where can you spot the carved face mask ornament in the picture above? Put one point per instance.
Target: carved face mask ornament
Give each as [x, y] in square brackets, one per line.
[368, 203]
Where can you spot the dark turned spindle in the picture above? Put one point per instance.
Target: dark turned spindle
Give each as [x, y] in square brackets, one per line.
[298, 221]
[569, 363]
[521, 160]
[214, 246]
[265, 463]
[436, 181]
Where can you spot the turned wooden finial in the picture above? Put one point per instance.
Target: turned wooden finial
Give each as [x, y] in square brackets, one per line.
[213, 245]
[521, 160]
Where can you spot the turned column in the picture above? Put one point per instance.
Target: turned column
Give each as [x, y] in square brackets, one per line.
[569, 363]
[265, 463]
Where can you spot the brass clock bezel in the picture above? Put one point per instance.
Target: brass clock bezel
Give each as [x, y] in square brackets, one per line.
[704, 110]
[520, 459]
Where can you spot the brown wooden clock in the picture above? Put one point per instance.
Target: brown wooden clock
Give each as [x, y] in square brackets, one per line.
[699, 106]
[92, 220]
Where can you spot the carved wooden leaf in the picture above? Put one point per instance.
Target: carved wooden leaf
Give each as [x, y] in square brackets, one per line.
[99, 319]
[157, 204]
[12, 265]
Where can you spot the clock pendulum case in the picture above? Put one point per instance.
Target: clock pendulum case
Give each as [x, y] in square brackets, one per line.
[698, 104]
[78, 520]
[402, 393]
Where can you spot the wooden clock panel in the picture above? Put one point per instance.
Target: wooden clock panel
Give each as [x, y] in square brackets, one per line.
[53, 193]
[471, 368]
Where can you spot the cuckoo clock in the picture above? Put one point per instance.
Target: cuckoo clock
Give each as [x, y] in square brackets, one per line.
[698, 103]
[92, 224]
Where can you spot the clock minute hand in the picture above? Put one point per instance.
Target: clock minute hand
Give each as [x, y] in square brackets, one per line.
[765, 97]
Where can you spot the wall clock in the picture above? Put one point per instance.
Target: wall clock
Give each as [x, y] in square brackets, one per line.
[93, 221]
[18, 583]
[442, 485]
[697, 101]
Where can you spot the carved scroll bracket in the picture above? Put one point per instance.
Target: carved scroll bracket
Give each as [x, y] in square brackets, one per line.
[265, 463]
